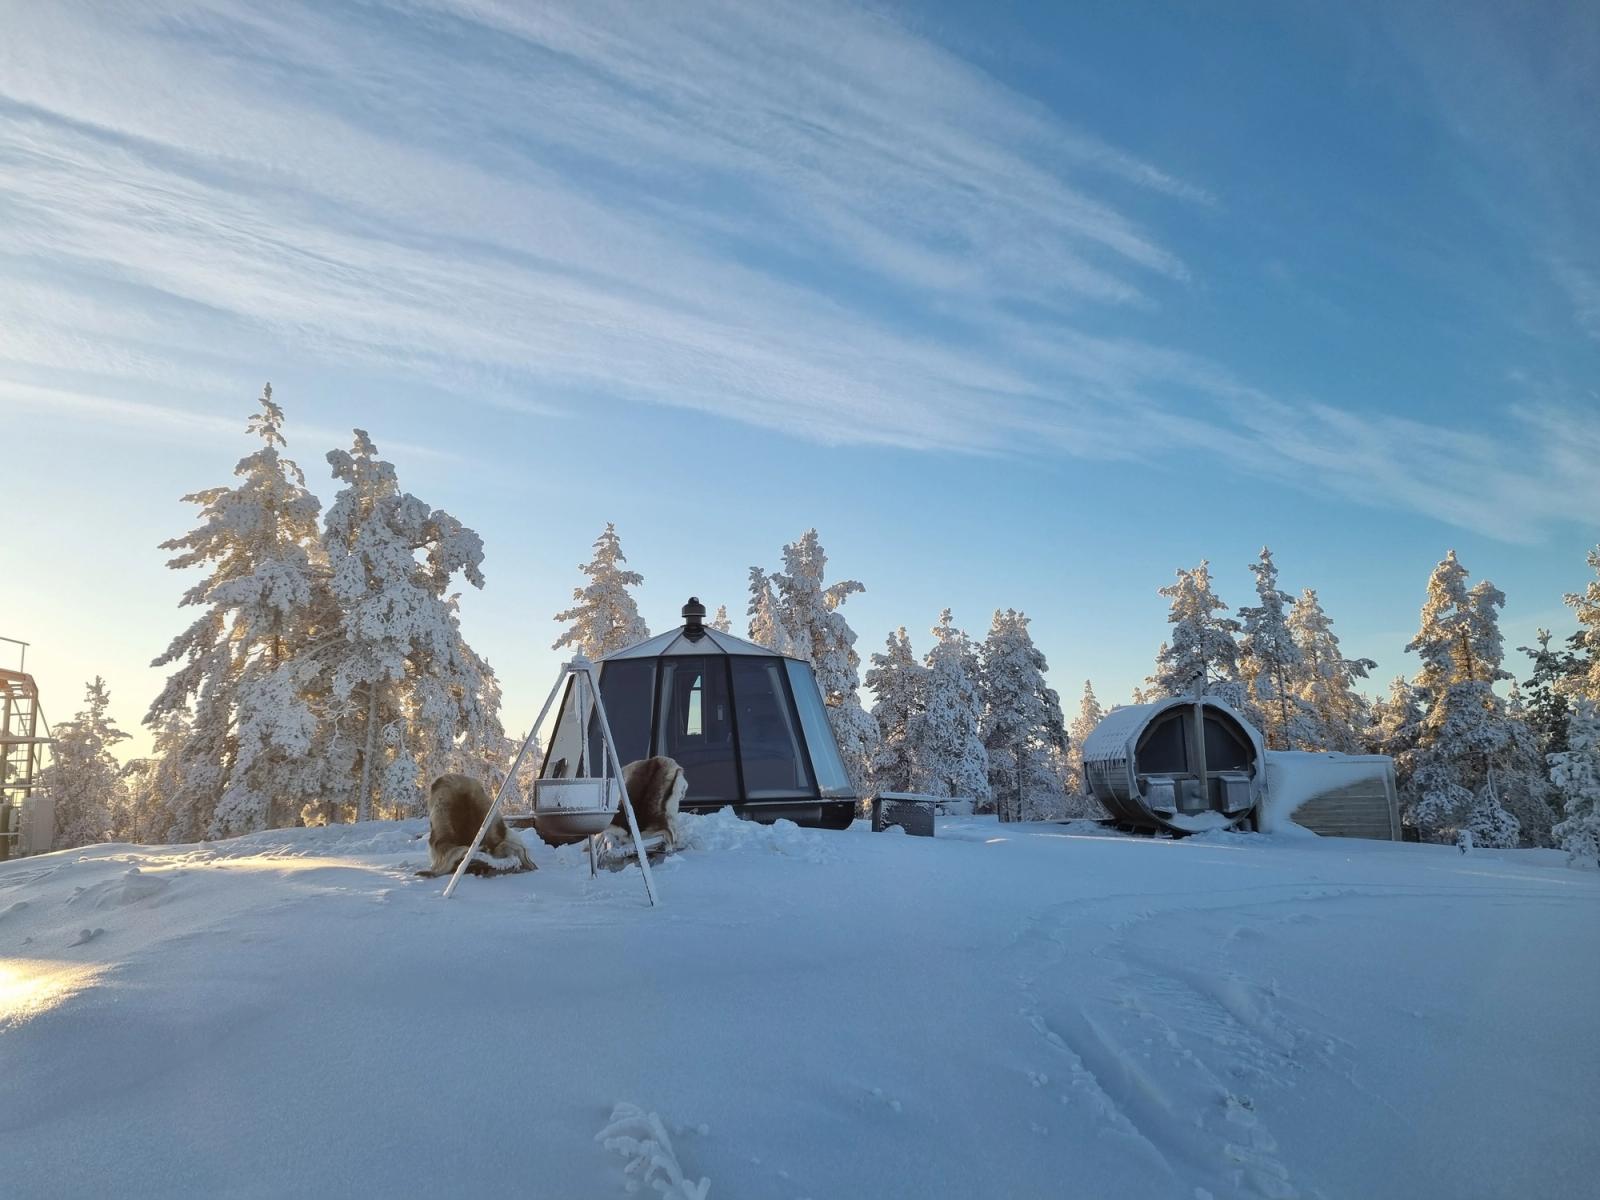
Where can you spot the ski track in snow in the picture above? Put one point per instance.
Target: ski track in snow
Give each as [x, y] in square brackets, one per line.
[1130, 1026]
[1168, 1055]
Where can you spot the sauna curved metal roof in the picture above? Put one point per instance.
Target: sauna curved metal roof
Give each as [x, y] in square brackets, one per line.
[1119, 730]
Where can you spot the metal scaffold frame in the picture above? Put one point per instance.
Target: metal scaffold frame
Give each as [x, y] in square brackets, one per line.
[24, 734]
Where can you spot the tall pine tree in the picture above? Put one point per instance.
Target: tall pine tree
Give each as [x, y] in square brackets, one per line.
[899, 682]
[155, 784]
[244, 763]
[766, 618]
[1090, 714]
[1465, 762]
[1550, 688]
[1575, 772]
[1200, 657]
[83, 780]
[1585, 678]
[1271, 664]
[800, 616]
[1023, 729]
[604, 616]
[407, 696]
[944, 739]
[1337, 713]
[1394, 729]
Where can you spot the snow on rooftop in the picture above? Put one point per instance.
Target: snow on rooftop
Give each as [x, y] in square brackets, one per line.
[1110, 737]
[1017, 1011]
[676, 642]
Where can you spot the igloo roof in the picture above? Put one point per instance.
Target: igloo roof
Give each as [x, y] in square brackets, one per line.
[678, 642]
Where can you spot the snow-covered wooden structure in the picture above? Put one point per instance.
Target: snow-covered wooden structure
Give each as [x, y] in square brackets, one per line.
[1184, 764]
[1336, 795]
[746, 724]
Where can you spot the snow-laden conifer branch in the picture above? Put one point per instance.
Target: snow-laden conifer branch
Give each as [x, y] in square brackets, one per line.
[641, 1138]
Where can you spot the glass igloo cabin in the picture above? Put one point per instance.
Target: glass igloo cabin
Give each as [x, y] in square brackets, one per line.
[746, 724]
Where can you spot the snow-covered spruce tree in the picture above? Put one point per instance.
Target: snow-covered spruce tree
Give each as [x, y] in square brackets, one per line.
[1326, 681]
[244, 764]
[83, 779]
[899, 682]
[456, 712]
[604, 617]
[527, 773]
[1090, 714]
[1575, 772]
[806, 612]
[1585, 678]
[1395, 725]
[1022, 723]
[1201, 658]
[766, 618]
[407, 697]
[1522, 783]
[1488, 820]
[1271, 664]
[155, 783]
[1066, 765]
[1464, 732]
[720, 622]
[1549, 700]
[944, 739]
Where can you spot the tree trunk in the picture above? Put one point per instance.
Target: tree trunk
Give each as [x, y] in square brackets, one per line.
[1017, 813]
[364, 800]
[1283, 708]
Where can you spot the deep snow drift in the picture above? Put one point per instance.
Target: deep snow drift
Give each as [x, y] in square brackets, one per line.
[1001, 1012]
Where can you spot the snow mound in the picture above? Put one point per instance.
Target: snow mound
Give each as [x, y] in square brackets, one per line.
[133, 887]
[722, 831]
[364, 838]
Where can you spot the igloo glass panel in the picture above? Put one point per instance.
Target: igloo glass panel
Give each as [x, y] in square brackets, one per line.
[627, 687]
[696, 726]
[831, 776]
[565, 757]
[769, 743]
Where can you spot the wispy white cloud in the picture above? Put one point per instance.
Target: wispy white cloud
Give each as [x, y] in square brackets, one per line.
[171, 423]
[804, 218]
[1583, 289]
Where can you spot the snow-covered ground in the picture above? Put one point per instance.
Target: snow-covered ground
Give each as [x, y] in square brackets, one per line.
[1000, 1012]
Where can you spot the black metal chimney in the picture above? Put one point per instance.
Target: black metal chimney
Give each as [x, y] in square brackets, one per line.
[694, 619]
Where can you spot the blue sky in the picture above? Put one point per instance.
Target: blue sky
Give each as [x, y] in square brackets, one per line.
[1020, 305]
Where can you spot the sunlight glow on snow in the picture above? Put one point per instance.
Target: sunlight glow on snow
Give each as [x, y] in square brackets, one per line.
[31, 986]
[298, 864]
